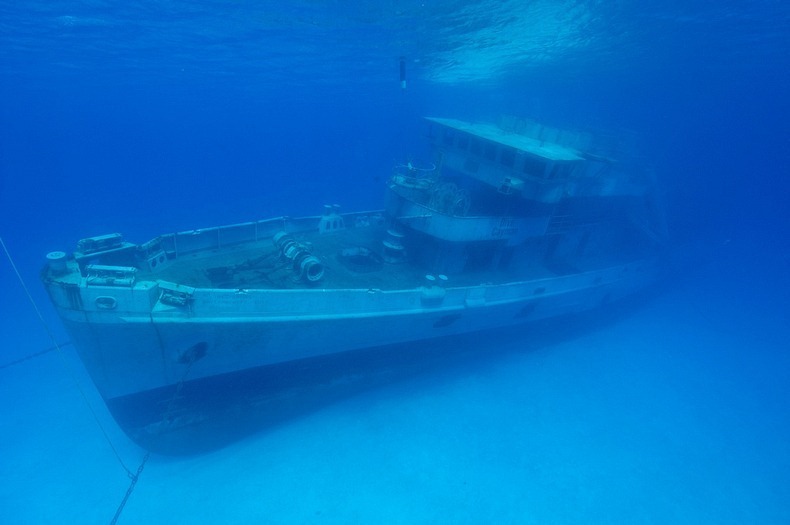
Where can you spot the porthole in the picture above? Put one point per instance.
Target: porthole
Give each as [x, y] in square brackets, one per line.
[106, 302]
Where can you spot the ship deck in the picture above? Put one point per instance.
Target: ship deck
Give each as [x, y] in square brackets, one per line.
[260, 265]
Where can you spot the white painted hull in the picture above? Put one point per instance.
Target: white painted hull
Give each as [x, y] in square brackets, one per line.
[127, 352]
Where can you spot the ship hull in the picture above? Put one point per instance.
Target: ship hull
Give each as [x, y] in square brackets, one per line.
[245, 360]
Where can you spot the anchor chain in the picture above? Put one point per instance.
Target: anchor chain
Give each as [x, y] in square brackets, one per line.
[136, 476]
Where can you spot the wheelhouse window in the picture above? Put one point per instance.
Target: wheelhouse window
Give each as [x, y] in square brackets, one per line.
[534, 167]
[508, 157]
[560, 170]
[490, 150]
[449, 137]
[476, 146]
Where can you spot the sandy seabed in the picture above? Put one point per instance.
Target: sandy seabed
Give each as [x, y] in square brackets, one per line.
[676, 413]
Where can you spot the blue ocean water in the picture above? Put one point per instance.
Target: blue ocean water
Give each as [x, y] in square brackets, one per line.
[151, 117]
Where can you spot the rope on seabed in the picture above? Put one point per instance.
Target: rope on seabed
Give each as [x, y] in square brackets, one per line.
[31, 356]
[135, 477]
[66, 366]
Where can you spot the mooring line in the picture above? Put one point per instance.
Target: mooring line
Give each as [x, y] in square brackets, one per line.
[63, 360]
[33, 355]
[134, 477]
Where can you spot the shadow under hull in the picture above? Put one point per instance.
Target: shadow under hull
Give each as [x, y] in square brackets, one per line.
[199, 416]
